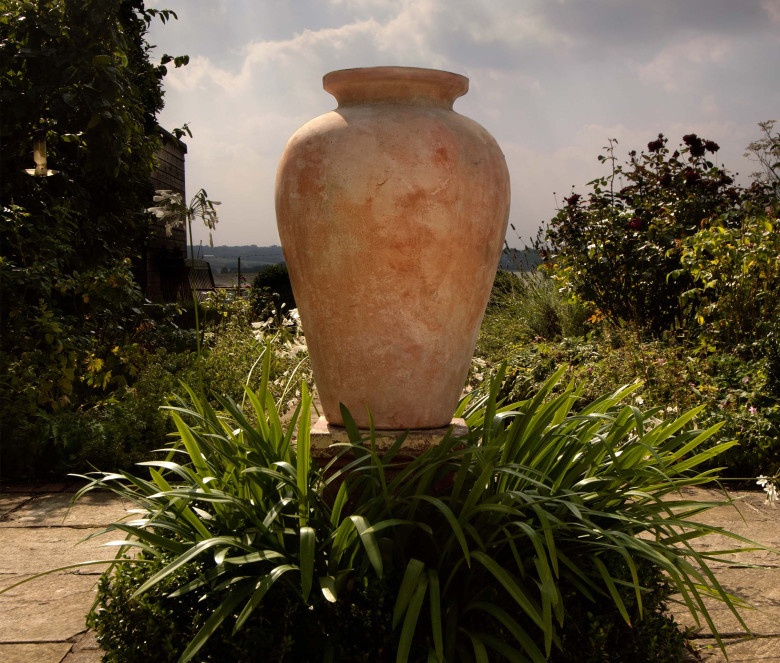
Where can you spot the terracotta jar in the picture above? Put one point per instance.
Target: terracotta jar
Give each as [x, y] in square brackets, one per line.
[392, 211]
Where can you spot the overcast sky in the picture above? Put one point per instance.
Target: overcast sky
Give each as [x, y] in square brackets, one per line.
[552, 80]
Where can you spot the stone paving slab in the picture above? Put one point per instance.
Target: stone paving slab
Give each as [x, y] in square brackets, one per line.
[46, 618]
[36, 488]
[751, 517]
[759, 650]
[37, 549]
[49, 652]
[11, 501]
[749, 505]
[92, 510]
[47, 609]
[763, 620]
[86, 650]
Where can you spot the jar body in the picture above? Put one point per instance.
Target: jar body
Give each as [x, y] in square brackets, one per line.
[392, 215]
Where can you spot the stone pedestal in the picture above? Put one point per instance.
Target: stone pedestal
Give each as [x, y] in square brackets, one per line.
[323, 435]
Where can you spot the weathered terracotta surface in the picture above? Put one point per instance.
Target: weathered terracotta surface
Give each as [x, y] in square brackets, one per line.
[392, 212]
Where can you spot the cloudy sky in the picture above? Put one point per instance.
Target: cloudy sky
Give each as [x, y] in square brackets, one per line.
[552, 80]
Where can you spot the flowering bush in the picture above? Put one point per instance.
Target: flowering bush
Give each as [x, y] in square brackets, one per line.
[617, 247]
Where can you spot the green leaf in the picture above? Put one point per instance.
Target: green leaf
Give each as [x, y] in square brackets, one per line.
[369, 542]
[303, 453]
[410, 621]
[453, 522]
[260, 590]
[307, 544]
[408, 584]
[509, 584]
[435, 600]
[328, 587]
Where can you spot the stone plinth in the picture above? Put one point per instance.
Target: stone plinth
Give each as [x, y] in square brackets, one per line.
[323, 435]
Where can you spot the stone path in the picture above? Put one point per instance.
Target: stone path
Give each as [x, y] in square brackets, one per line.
[43, 621]
[755, 519]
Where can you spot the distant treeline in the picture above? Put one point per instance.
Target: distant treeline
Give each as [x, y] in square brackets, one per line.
[224, 259]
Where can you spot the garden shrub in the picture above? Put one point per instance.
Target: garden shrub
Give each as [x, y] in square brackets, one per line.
[117, 430]
[736, 393]
[736, 274]
[617, 246]
[156, 627]
[594, 632]
[271, 292]
[482, 543]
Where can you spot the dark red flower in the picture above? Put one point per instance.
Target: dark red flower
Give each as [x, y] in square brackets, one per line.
[691, 176]
[572, 200]
[655, 145]
[711, 146]
[695, 145]
[635, 223]
[665, 179]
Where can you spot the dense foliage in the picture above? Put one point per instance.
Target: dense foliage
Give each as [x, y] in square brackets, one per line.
[676, 275]
[77, 74]
[529, 538]
[619, 248]
[271, 294]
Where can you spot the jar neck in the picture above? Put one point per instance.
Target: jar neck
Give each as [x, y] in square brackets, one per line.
[408, 86]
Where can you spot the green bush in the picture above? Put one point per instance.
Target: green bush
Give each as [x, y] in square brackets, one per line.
[481, 544]
[116, 431]
[617, 247]
[155, 626]
[736, 273]
[595, 632]
[271, 293]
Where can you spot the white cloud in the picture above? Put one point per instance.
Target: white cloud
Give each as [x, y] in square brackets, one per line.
[772, 8]
[679, 65]
[510, 22]
[544, 82]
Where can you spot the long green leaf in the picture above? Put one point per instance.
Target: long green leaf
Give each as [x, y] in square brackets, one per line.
[410, 621]
[408, 584]
[307, 544]
[369, 542]
[303, 452]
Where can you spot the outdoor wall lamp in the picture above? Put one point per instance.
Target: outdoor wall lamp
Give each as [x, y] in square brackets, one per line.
[39, 157]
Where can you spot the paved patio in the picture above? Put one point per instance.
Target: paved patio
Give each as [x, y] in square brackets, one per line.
[43, 621]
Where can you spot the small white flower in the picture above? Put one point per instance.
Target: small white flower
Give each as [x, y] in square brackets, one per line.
[771, 493]
[770, 488]
[639, 400]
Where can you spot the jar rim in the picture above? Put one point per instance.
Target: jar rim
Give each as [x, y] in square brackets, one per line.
[405, 85]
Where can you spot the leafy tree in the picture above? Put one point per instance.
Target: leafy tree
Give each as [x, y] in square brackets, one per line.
[77, 74]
